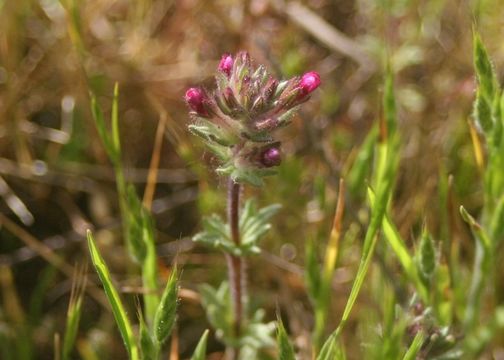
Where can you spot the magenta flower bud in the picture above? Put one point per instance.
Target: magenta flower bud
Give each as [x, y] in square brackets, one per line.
[196, 98]
[271, 157]
[308, 83]
[226, 64]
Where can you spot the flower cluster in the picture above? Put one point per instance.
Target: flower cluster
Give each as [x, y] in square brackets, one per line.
[238, 120]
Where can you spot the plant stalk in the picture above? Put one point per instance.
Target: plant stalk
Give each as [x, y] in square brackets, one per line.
[236, 265]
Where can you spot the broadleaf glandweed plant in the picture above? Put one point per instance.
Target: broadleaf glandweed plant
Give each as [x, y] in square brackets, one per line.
[237, 123]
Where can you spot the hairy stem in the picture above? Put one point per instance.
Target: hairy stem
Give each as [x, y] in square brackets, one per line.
[236, 265]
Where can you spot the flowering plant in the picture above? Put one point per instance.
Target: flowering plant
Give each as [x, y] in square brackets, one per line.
[237, 122]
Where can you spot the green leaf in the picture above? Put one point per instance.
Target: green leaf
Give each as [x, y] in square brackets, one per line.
[212, 133]
[285, 349]
[114, 117]
[215, 234]
[330, 349]
[222, 152]
[389, 104]
[74, 314]
[167, 310]
[118, 310]
[359, 171]
[254, 224]
[135, 223]
[218, 309]
[312, 272]
[370, 239]
[148, 349]
[484, 68]
[398, 245]
[497, 222]
[476, 228]
[107, 141]
[415, 346]
[427, 257]
[482, 112]
[200, 351]
[249, 176]
[149, 266]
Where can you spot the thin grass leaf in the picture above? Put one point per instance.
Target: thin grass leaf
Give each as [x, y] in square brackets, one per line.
[114, 117]
[148, 348]
[482, 265]
[99, 119]
[482, 112]
[415, 346]
[359, 171]
[398, 245]
[378, 213]
[484, 68]
[497, 222]
[427, 258]
[389, 104]
[149, 267]
[329, 350]
[118, 309]
[74, 312]
[200, 351]
[313, 276]
[167, 308]
[477, 229]
[285, 349]
[331, 255]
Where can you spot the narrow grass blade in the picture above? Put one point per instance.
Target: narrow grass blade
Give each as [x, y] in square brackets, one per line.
[118, 310]
[99, 119]
[285, 349]
[116, 142]
[200, 351]
[74, 312]
[331, 256]
[484, 68]
[166, 311]
[398, 245]
[415, 346]
[331, 350]
[149, 266]
[148, 348]
[476, 228]
[359, 171]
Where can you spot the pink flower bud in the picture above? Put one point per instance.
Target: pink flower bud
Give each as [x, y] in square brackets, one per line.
[271, 157]
[196, 98]
[226, 64]
[308, 83]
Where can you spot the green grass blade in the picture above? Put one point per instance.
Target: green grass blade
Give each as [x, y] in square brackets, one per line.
[200, 351]
[398, 245]
[148, 348]
[389, 104]
[378, 213]
[99, 120]
[149, 267]
[285, 349]
[166, 311]
[359, 171]
[118, 310]
[331, 350]
[484, 68]
[415, 346]
[115, 120]
[74, 313]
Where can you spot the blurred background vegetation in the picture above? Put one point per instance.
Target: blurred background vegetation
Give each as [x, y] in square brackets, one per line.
[56, 180]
